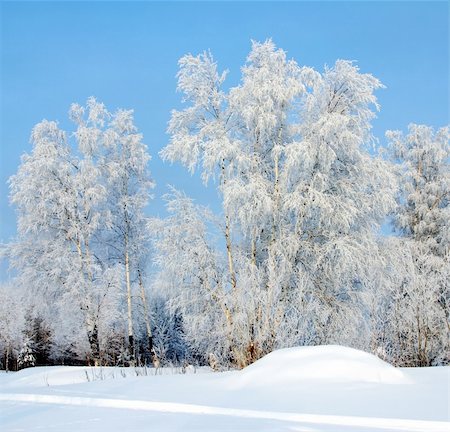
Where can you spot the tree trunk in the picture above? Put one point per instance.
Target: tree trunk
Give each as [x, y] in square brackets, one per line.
[94, 344]
[7, 358]
[146, 316]
[253, 252]
[228, 237]
[229, 252]
[92, 334]
[130, 317]
[276, 210]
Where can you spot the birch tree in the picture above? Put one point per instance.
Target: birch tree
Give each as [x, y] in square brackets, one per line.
[191, 276]
[337, 195]
[12, 324]
[199, 133]
[302, 197]
[129, 184]
[420, 312]
[60, 200]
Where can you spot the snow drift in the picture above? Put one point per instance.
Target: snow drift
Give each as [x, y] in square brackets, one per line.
[328, 363]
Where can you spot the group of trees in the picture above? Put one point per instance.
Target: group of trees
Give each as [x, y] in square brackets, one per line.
[296, 258]
[80, 246]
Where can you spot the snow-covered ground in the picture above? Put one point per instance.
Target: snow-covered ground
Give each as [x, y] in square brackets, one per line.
[306, 389]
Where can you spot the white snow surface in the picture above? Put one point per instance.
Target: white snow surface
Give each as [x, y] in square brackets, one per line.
[306, 389]
[319, 364]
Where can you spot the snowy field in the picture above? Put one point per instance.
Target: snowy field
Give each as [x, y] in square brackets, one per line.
[306, 389]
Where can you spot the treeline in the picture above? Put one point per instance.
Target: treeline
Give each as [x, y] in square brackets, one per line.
[297, 256]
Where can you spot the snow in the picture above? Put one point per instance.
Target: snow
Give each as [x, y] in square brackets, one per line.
[63, 375]
[323, 363]
[307, 389]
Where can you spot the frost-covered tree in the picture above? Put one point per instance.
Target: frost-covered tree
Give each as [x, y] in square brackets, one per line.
[170, 345]
[337, 195]
[200, 133]
[123, 163]
[142, 262]
[12, 325]
[56, 221]
[74, 194]
[39, 333]
[302, 196]
[190, 275]
[26, 357]
[424, 211]
[413, 322]
[419, 333]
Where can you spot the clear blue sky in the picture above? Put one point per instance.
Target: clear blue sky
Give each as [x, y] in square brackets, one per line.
[126, 53]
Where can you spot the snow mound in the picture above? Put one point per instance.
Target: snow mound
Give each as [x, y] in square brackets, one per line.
[329, 363]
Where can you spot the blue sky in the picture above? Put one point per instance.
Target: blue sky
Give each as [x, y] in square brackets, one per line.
[126, 53]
